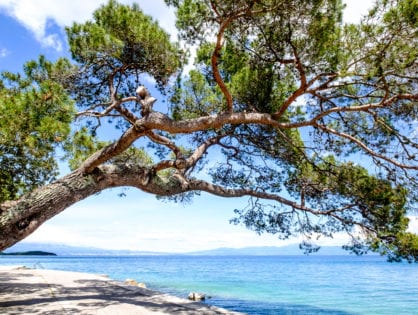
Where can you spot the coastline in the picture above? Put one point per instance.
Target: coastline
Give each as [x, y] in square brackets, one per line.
[24, 291]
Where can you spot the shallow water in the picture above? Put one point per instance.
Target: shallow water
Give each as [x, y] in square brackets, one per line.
[344, 285]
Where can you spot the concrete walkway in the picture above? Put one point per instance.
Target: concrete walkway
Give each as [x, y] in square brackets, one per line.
[51, 292]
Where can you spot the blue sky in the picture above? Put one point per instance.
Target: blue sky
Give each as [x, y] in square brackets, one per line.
[138, 221]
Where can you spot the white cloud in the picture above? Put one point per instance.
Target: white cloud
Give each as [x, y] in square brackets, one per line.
[3, 52]
[37, 15]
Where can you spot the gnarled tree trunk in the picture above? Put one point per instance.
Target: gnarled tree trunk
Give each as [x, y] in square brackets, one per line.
[22, 217]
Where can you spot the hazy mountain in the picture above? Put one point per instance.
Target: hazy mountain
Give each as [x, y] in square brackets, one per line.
[65, 250]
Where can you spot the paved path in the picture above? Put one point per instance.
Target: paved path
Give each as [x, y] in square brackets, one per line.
[51, 292]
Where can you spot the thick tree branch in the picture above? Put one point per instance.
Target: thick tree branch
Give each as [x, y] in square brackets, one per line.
[111, 150]
[223, 25]
[22, 217]
[181, 163]
[159, 121]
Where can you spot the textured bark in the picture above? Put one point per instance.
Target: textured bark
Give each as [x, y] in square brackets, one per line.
[22, 217]
[111, 150]
[159, 121]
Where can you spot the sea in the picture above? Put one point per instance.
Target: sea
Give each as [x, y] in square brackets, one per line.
[315, 284]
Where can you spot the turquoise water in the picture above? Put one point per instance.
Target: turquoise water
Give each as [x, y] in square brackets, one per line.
[344, 285]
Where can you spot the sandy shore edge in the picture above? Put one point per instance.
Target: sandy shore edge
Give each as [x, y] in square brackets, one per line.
[39, 291]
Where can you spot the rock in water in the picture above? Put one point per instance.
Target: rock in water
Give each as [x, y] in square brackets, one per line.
[194, 296]
[135, 283]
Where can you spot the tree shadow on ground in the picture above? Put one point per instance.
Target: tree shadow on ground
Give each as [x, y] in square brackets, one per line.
[85, 297]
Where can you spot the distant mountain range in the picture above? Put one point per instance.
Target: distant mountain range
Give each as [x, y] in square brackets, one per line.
[66, 250]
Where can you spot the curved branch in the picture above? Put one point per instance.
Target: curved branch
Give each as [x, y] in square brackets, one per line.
[22, 217]
[166, 142]
[218, 46]
[213, 189]
[111, 150]
[366, 148]
[214, 61]
[114, 105]
[181, 163]
[198, 153]
[360, 108]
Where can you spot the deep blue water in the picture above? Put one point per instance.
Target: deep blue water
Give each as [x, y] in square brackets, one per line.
[343, 285]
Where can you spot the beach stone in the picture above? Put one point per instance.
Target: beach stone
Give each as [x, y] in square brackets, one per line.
[195, 296]
[131, 282]
[142, 285]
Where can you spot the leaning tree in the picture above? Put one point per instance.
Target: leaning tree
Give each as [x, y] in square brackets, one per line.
[314, 120]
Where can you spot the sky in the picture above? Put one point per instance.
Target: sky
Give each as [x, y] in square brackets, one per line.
[138, 221]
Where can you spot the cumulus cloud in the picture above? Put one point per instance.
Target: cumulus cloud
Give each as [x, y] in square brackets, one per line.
[37, 16]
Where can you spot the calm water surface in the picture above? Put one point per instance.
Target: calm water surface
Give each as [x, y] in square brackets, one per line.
[344, 285]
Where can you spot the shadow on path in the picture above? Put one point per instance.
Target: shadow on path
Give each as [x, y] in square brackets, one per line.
[47, 292]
